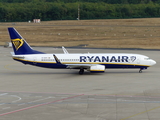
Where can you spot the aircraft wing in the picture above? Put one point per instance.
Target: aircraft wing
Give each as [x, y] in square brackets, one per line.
[65, 50]
[77, 66]
[90, 67]
[73, 66]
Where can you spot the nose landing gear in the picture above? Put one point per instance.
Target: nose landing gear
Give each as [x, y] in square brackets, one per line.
[140, 71]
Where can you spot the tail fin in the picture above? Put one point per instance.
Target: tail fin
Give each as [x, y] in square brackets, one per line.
[20, 46]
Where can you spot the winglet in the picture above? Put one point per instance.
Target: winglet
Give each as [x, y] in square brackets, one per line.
[57, 60]
[64, 50]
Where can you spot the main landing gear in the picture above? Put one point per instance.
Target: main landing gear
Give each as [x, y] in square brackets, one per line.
[81, 71]
[140, 71]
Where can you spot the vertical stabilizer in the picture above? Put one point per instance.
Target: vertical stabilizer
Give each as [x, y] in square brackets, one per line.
[20, 46]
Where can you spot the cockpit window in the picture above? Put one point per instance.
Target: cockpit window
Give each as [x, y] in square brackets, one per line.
[146, 58]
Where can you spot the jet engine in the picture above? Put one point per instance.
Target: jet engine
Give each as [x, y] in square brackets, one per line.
[97, 68]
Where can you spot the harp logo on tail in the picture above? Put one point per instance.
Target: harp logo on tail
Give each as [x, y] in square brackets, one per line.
[17, 43]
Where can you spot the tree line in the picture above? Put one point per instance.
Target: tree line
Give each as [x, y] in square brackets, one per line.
[16, 10]
[94, 1]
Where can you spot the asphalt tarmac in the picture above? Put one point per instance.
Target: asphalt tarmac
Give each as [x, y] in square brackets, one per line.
[28, 92]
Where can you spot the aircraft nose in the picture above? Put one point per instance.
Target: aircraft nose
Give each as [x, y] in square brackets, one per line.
[153, 62]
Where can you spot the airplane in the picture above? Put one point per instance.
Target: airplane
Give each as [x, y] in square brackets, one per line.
[86, 61]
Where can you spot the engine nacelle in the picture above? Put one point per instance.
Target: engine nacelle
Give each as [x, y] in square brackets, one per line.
[97, 68]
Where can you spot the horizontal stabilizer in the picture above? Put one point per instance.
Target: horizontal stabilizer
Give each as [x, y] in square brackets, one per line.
[12, 53]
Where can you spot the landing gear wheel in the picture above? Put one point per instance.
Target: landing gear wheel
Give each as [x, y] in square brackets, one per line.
[140, 71]
[81, 71]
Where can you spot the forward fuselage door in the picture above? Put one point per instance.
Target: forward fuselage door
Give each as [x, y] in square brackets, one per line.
[138, 60]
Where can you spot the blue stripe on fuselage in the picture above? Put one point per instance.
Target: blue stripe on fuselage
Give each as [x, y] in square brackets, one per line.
[123, 66]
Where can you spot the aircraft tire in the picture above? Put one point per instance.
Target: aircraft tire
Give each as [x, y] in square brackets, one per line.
[140, 71]
[81, 71]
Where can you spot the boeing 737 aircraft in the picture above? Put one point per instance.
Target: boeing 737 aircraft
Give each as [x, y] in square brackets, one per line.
[90, 62]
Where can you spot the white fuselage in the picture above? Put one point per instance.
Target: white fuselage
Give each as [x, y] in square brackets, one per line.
[111, 60]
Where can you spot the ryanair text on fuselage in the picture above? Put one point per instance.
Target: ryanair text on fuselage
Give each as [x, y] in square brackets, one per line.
[106, 58]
